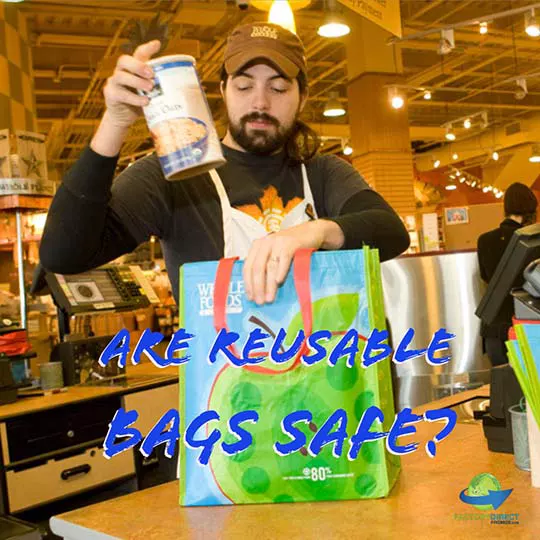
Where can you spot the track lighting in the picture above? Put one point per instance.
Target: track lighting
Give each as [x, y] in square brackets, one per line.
[436, 163]
[450, 135]
[535, 154]
[495, 155]
[455, 156]
[478, 119]
[427, 95]
[531, 24]
[347, 149]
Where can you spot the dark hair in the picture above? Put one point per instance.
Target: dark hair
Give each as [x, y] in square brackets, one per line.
[519, 200]
[304, 142]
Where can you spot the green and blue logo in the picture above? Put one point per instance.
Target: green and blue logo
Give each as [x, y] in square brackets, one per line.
[484, 492]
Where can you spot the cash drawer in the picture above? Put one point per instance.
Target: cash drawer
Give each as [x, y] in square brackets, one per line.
[53, 430]
[59, 478]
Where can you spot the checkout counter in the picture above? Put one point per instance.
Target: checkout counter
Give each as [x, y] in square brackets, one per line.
[51, 440]
[425, 292]
[423, 504]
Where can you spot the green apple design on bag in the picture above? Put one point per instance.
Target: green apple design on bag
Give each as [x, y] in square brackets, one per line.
[278, 391]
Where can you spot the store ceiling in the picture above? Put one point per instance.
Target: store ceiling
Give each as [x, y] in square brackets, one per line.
[74, 47]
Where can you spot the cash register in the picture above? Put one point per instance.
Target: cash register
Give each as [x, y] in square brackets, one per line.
[518, 274]
[110, 288]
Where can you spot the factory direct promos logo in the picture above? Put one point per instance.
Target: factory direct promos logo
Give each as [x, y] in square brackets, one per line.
[484, 492]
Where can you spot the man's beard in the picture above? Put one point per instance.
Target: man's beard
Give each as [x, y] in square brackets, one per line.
[262, 142]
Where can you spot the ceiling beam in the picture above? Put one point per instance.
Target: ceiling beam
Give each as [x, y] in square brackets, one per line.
[422, 11]
[464, 104]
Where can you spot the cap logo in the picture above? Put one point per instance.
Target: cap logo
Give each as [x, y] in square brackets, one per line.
[264, 31]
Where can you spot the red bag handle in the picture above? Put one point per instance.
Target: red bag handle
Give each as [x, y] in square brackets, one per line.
[302, 283]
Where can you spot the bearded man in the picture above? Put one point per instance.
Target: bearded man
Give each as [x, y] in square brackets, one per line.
[273, 196]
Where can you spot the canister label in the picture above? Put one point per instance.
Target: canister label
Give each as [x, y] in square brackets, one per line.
[179, 120]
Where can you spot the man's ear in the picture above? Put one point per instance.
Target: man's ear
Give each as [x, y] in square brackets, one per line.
[222, 89]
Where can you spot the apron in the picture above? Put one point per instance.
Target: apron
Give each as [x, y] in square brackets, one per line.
[240, 229]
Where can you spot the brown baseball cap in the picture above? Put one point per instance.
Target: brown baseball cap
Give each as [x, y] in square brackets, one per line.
[279, 46]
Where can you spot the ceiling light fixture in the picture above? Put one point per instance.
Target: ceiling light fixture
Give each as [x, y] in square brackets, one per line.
[458, 173]
[347, 149]
[281, 14]
[427, 95]
[455, 156]
[333, 106]
[467, 123]
[451, 187]
[447, 42]
[396, 99]
[495, 155]
[535, 154]
[450, 135]
[531, 24]
[483, 28]
[334, 24]
[436, 163]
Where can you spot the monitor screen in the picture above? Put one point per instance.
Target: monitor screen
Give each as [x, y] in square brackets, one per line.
[524, 247]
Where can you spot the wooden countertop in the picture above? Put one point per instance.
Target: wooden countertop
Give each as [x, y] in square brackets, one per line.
[141, 377]
[423, 503]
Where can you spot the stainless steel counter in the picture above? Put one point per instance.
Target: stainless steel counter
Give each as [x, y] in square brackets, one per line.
[428, 292]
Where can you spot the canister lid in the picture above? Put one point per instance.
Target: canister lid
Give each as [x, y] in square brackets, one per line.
[172, 58]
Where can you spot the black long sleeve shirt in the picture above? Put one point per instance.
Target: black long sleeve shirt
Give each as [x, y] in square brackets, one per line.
[92, 220]
[490, 249]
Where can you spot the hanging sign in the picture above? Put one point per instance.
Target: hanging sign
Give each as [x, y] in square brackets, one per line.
[384, 13]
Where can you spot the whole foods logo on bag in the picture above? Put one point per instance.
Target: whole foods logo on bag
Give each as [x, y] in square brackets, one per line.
[234, 298]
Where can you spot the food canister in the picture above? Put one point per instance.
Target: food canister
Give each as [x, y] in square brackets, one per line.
[51, 375]
[179, 119]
